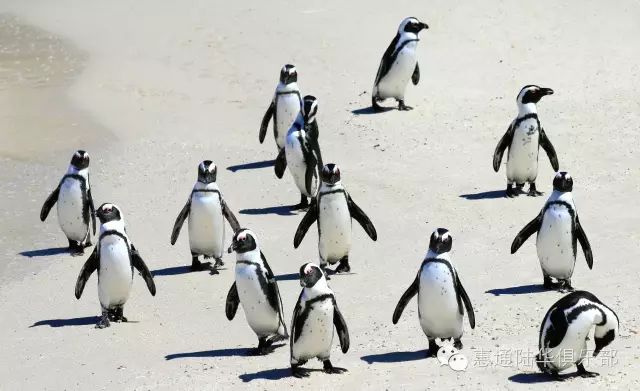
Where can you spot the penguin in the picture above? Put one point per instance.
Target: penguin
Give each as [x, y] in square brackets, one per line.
[314, 317]
[440, 295]
[399, 64]
[302, 152]
[565, 330]
[256, 288]
[523, 138]
[206, 209]
[284, 107]
[559, 230]
[333, 210]
[114, 258]
[75, 204]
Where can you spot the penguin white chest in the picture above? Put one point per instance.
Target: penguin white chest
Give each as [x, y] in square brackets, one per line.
[262, 318]
[287, 108]
[522, 162]
[438, 302]
[115, 275]
[334, 222]
[573, 347]
[297, 164]
[206, 224]
[555, 243]
[317, 332]
[70, 209]
[394, 83]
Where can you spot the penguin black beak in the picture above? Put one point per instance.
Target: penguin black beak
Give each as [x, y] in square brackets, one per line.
[546, 91]
[424, 26]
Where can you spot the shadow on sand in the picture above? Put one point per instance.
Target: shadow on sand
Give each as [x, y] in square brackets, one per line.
[538, 377]
[282, 210]
[89, 320]
[517, 290]
[485, 195]
[269, 374]
[210, 353]
[370, 110]
[251, 166]
[393, 357]
[288, 277]
[45, 252]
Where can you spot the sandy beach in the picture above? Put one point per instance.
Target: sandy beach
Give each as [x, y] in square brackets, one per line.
[151, 89]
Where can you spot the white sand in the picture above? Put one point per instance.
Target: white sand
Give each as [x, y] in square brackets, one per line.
[152, 89]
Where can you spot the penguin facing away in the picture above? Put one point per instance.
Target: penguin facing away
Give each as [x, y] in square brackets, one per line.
[302, 152]
[284, 107]
[559, 230]
[565, 330]
[75, 204]
[114, 258]
[441, 295]
[523, 138]
[206, 210]
[333, 210]
[255, 287]
[314, 317]
[399, 64]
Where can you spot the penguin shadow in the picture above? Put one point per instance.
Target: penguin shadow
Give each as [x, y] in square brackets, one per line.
[270, 374]
[45, 252]
[369, 110]
[251, 166]
[233, 352]
[288, 277]
[518, 290]
[538, 377]
[485, 195]
[86, 321]
[394, 357]
[282, 210]
[175, 270]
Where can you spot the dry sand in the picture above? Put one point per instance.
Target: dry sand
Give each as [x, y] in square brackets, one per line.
[152, 89]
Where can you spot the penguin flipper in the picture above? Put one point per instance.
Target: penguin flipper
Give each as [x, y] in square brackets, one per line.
[341, 328]
[309, 218]
[528, 230]
[311, 163]
[89, 267]
[180, 220]
[545, 143]
[313, 134]
[415, 78]
[138, 263]
[233, 300]
[297, 320]
[504, 142]
[281, 163]
[231, 218]
[48, 204]
[559, 325]
[273, 293]
[387, 59]
[265, 121]
[92, 208]
[584, 243]
[406, 297]
[362, 218]
[467, 303]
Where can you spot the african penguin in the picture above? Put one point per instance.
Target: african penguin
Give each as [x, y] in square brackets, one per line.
[206, 210]
[565, 330]
[314, 316]
[399, 64]
[255, 287]
[114, 258]
[333, 210]
[284, 107]
[559, 230]
[441, 295]
[523, 138]
[75, 204]
[302, 152]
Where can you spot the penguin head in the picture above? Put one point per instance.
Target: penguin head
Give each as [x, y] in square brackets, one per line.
[288, 74]
[606, 331]
[330, 174]
[532, 94]
[80, 159]
[440, 241]
[411, 25]
[243, 241]
[310, 274]
[108, 212]
[309, 108]
[563, 182]
[207, 172]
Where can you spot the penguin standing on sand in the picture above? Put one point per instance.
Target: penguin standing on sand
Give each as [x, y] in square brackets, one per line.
[75, 204]
[255, 287]
[399, 64]
[302, 152]
[565, 330]
[284, 107]
[441, 295]
[334, 210]
[314, 317]
[114, 258]
[206, 210]
[559, 230]
[523, 138]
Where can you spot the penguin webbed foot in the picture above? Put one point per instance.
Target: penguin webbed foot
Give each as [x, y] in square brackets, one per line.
[298, 371]
[197, 266]
[304, 203]
[457, 343]
[511, 192]
[402, 106]
[433, 348]
[374, 104]
[564, 286]
[329, 368]
[533, 192]
[104, 321]
[75, 249]
[343, 267]
[582, 372]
